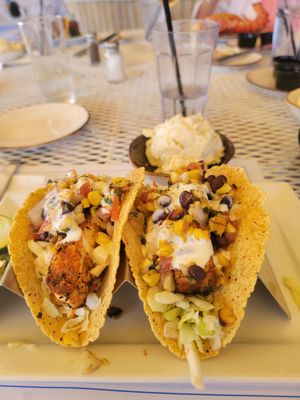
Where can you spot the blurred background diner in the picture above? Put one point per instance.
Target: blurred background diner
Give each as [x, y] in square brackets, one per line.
[13, 11]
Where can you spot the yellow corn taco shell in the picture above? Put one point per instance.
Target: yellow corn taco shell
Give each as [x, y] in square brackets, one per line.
[247, 254]
[22, 260]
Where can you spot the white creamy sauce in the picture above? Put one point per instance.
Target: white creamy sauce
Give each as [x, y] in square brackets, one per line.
[61, 222]
[191, 252]
[73, 235]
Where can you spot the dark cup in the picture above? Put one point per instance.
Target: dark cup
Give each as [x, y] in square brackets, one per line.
[286, 72]
[247, 40]
[266, 38]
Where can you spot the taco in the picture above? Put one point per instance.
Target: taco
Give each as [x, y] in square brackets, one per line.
[64, 246]
[195, 249]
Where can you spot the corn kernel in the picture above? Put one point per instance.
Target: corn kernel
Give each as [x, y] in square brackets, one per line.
[178, 227]
[93, 211]
[230, 228]
[217, 224]
[146, 264]
[224, 189]
[195, 175]
[223, 260]
[165, 249]
[102, 238]
[119, 182]
[226, 316]
[150, 206]
[188, 218]
[200, 234]
[63, 184]
[94, 198]
[190, 230]
[85, 203]
[151, 278]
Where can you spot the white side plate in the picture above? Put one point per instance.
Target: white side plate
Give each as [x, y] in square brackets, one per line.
[293, 100]
[41, 124]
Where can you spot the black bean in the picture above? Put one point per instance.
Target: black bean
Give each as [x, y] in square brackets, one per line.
[176, 214]
[196, 272]
[66, 207]
[43, 214]
[44, 236]
[185, 199]
[210, 179]
[164, 201]
[218, 182]
[114, 312]
[228, 200]
[159, 215]
[224, 240]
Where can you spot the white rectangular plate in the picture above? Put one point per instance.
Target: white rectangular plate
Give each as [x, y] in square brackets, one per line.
[266, 349]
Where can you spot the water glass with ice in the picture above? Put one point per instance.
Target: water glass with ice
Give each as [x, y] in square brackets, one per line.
[44, 39]
[195, 41]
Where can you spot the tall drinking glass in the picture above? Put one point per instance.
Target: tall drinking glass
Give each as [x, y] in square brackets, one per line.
[44, 39]
[195, 41]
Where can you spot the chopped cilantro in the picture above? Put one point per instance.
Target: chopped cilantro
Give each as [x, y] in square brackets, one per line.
[145, 223]
[108, 201]
[118, 192]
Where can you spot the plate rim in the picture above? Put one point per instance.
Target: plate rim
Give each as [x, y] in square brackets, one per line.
[289, 96]
[223, 64]
[273, 89]
[87, 118]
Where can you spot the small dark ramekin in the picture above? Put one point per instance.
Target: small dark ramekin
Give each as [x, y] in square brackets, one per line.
[286, 72]
[247, 40]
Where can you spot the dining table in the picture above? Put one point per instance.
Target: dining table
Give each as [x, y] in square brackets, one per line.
[265, 136]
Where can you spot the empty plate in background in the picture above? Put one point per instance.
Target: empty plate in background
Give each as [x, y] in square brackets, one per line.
[41, 124]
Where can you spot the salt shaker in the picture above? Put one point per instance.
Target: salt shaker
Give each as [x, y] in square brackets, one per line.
[93, 49]
[113, 62]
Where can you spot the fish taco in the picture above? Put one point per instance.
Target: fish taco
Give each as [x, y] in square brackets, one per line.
[64, 246]
[195, 249]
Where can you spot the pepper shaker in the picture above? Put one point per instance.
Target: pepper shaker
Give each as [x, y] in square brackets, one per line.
[93, 49]
[113, 62]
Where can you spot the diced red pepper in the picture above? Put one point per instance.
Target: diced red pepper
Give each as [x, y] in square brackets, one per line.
[85, 188]
[115, 210]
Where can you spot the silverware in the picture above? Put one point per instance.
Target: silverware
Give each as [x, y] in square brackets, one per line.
[235, 55]
[6, 173]
[268, 278]
[105, 39]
